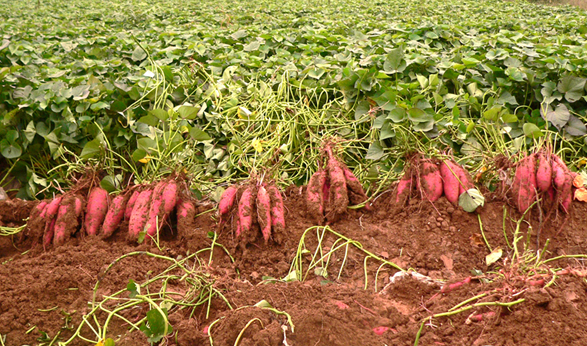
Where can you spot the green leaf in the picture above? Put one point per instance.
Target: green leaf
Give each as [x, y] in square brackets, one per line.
[375, 152]
[575, 127]
[198, 134]
[154, 329]
[419, 116]
[10, 150]
[159, 113]
[394, 62]
[188, 112]
[532, 131]
[133, 288]
[11, 136]
[139, 54]
[386, 131]
[111, 183]
[559, 116]
[109, 342]
[150, 120]
[471, 199]
[492, 113]
[397, 115]
[138, 155]
[316, 73]
[572, 87]
[146, 144]
[91, 149]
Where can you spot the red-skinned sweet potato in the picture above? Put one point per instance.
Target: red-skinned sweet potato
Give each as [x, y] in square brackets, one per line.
[339, 199]
[450, 181]
[405, 187]
[277, 209]
[130, 204]
[355, 189]
[114, 215]
[140, 213]
[226, 203]
[543, 172]
[315, 195]
[245, 211]
[263, 203]
[524, 186]
[96, 210]
[430, 180]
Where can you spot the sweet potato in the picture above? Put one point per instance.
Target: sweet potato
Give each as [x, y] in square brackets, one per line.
[356, 192]
[130, 204]
[51, 209]
[226, 203]
[48, 236]
[36, 223]
[155, 208]
[264, 212]
[524, 186]
[563, 183]
[139, 214]
[245, 211]
[66, 222]
[114, 215]
[315, 202]
[96, 210]
[543, 172]
[450, 181]
[405, 187]
[277, 209]
[339, 199]
[430, 180]
[169, 198]
[186, 212]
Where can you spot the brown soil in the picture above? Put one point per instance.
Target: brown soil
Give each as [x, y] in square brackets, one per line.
[49, 291]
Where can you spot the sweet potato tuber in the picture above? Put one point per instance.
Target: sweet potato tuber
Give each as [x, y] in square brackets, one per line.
[226, 203]
[155, 208]
[430, 180]
[543, 171]
[315, 195]
[405, 187]
[96, 210]
[563, 183]
[450, 180]
[277, 209]
[524, 186]
[245, 211]
[338, 199]
[67, 220]
[264, 212]
[139, 214]
[356, 192]
[114, 215]
[130, 204]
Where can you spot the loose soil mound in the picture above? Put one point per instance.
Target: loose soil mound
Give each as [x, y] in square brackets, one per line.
[48, 291]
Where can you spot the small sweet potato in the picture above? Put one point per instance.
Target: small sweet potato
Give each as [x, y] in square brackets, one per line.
[277, 209]
[139, 214]
[264, 212]
[245, 211]
[49, 231]
[155, 208]
[96, 210]
[114, 215]
[430, 180]
[563, 183]
[405, 187]
[130, 204]
[524, 185]
[450, 181]
[543, 172]
[66, 222]
[315, 202]
[226, 203]
[356, 192]
[339, 199]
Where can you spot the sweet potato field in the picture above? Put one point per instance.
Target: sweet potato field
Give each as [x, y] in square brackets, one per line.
[292, 173]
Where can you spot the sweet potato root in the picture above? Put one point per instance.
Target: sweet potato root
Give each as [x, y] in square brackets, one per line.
[544, 172]
[130, 204]
[405, 187]
[245, 211]
[277, 212]
[67, 220]
[524, 186]
[430, 180]
[139, 214]
[339, 199]
[263, 204]
[450, 180]
[96, 210]
[315, 195]
[355, 189]
[226, 203]
[114, 215]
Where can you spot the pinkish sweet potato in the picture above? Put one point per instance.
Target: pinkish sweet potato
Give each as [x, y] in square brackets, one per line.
[405, 187]
[66, 222]
[450, 180]
[96, 210]
[524, 186]
[430, 180]
[245, 212]
[169, 198]
[543, 171]
[130, 204]
[155, 208]
[226, 203]
[315, 203]
[114, 215]
[139, 214]
[264, 212]
[49, 231]
[356, 192]
[277, 208]
[338, 199]
[563, 183]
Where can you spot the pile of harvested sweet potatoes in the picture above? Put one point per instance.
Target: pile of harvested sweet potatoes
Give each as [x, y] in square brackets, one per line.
[331, 189]
[431, 178]
[542, 175]
[145, 207]
[258, 204]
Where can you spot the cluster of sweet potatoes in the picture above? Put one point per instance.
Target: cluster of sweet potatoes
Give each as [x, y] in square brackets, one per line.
[257, 203]
[542, 174]
[431, 178]
[145, 208]
[331, 189]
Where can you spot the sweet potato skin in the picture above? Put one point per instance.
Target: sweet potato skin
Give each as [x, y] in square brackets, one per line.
[226, 203]
[404, 188]
[356, 192]
[315, 195]
[338, 200]
[524, 186]
[130, 204]
[430, 180]
[245, 212]
[114, 215]
[450, 181]
[96, 210]
[264, 212]
[140, 213]
[543, 172]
